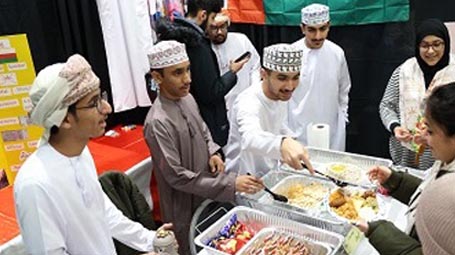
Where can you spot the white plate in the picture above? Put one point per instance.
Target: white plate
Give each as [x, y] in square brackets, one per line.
[366, 214]
[350, 173]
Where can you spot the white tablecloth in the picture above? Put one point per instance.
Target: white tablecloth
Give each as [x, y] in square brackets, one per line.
[139, 174]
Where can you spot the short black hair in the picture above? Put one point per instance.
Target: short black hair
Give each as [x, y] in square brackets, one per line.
[440, 107]
[268, 71]
[210, 6]
[159, 70]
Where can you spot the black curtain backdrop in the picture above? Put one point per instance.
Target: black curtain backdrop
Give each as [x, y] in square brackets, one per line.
[57, 29]
[372, 53]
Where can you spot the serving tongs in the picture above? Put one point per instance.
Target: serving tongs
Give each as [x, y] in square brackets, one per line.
[275, 196]
[336, 181]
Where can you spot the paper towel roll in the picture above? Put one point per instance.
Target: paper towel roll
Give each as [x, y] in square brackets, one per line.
[318, 135]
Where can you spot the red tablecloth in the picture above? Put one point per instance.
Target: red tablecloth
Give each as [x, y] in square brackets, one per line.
[8, 226]
[121, 152]
[110, 153]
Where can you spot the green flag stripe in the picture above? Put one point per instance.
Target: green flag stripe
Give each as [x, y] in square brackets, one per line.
[342, 12]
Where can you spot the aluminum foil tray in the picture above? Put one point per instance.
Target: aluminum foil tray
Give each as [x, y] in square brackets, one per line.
[314, 248]
[258, 220]
[286, 183]
[322, 158]
[264, 202]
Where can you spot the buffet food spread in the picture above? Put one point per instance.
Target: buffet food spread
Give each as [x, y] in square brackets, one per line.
[354, 204]
[232, 237]
[345, 172]
[274, 242]
[315, 219]
[306, 196]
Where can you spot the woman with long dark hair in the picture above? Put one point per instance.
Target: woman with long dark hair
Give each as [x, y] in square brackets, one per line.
[439, 135]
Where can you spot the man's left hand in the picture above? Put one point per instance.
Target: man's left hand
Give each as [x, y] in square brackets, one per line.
[216, 164]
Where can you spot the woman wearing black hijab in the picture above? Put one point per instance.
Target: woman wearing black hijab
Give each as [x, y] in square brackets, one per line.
[401, 112]
[400, 108]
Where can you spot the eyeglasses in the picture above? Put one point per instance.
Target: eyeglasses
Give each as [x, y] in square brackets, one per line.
[98, 104]
[436, 46]
[222, 28]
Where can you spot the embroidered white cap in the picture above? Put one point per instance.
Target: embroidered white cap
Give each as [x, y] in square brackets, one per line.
[315, 14]
[167, 53]
[282, 57]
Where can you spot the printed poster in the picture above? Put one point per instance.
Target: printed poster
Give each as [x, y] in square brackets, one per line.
[18, 138]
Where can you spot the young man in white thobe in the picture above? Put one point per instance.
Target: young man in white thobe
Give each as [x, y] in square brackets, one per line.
[60, 206]
[186, 161]
[228, 46]
[259, 138]
[322, 96]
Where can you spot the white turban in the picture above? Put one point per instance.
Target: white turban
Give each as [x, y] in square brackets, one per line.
[58, 86]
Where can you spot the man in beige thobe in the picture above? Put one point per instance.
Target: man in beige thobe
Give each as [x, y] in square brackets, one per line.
[187, 162]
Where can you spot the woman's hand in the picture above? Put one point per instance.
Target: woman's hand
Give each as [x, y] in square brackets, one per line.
[402, 134]
[362, 225]
[419, 136]
[379, 174]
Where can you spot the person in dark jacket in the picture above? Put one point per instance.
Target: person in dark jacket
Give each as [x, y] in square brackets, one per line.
[440, 138]
[127, 198]
[208, 87]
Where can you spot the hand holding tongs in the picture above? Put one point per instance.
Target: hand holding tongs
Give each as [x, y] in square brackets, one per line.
[337, 182]
[275, 196]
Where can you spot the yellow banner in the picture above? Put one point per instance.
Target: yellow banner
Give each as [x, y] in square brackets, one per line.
[18, 139]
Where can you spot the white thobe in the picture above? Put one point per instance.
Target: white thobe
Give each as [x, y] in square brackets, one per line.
[323, 93]
[235, 45]
[127, 38]
[255, 135]
[61, 208]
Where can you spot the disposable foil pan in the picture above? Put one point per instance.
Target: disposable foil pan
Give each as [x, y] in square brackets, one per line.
[321, 159]
[257, 220]
[288, 182]
[314, 248]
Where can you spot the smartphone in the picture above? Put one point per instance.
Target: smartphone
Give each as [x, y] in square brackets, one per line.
[244, 55]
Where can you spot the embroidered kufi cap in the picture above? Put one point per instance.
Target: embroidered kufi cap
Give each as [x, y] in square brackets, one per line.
[315, 14]
[167, 53]
[282, 57]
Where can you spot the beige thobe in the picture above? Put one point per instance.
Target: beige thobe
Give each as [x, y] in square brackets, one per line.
[181, 146]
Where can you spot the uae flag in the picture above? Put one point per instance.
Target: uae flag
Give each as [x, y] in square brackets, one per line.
[7, 55]
[342, 12]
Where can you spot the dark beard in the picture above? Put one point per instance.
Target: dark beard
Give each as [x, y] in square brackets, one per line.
[219, 42]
